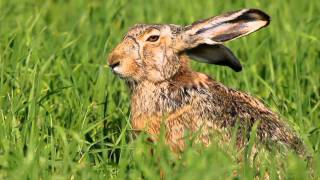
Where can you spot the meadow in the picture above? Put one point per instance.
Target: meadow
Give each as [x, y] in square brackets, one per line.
[65, 115]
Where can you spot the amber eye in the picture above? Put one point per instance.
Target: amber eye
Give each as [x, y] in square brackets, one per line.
[153, 38]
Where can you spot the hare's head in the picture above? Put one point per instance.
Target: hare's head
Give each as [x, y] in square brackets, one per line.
[153, 52]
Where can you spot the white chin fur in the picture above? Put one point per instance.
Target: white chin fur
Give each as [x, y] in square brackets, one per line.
[117, 70]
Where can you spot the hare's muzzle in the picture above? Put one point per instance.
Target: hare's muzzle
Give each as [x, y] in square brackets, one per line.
[113, 61]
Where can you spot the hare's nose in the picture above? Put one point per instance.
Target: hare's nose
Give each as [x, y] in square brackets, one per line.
[113, 60]
[114, 64]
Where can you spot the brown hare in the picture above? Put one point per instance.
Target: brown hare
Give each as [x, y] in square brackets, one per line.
[153, 59]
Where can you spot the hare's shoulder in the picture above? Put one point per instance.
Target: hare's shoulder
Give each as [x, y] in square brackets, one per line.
[208, 91]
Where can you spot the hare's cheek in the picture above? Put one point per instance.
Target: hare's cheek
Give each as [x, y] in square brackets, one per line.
[128, 69]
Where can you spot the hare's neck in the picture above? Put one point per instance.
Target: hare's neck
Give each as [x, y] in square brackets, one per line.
[154, 99]
[163, 98]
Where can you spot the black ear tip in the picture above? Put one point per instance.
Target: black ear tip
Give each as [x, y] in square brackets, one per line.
[235, 65]
[258, 14]
[237, 69]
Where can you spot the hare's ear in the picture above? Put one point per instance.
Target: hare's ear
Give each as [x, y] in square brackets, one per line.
[226, 27]
[215, 54]
[197, 39]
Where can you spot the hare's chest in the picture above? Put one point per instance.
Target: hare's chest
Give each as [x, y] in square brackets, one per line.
[151, 105]
[150, 100]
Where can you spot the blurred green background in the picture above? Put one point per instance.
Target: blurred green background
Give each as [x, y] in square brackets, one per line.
[64, 115]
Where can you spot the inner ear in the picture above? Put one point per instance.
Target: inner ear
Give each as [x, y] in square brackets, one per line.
[215, 54]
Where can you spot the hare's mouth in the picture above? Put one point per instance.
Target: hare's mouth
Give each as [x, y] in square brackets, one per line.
[117, 70]
[118, 73]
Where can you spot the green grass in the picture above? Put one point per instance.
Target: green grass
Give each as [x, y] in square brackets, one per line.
[64, 115]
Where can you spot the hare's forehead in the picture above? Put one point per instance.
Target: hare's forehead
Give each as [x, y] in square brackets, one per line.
[140, 29]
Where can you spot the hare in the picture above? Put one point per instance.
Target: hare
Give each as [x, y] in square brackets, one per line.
[165, 92]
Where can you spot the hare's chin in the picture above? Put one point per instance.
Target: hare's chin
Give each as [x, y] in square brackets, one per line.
[117, 71]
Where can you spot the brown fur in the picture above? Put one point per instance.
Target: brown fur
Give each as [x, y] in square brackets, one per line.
[166, 92]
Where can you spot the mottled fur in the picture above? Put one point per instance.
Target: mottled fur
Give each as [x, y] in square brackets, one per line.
[166, 92]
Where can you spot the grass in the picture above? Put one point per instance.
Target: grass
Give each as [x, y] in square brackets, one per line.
[64, 115]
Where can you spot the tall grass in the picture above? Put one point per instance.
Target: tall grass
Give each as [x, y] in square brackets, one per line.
[64, 115]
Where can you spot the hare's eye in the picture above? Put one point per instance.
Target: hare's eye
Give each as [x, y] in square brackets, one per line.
[153, 38]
